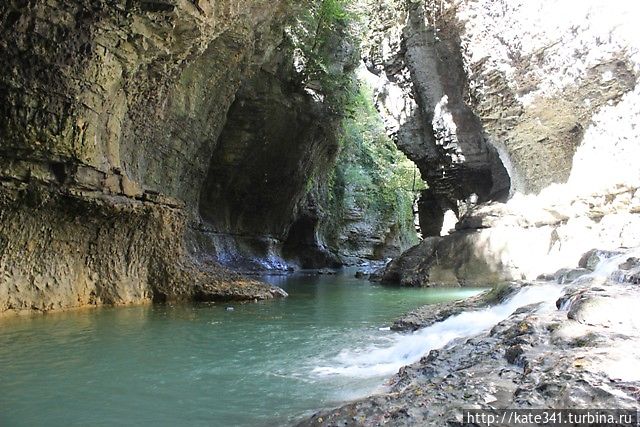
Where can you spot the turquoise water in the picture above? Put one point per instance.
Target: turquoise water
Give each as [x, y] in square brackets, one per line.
[258, 365]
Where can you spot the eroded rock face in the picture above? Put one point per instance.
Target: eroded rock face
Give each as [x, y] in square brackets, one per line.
[62, 250]
[423, 95]
[140, 88]
[556, 99]
[277, 139]
[276, 195]
[465, 83]
[541, 84]
[195, 108]
[110, 115]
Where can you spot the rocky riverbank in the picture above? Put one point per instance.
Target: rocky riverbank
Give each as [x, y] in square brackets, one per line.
[577, 352]
[77, 246]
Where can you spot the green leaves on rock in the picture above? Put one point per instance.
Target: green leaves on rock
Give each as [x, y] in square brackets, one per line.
[326, 43]
[372, 181]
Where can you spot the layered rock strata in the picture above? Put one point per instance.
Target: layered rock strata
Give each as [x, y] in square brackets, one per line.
[557, 98]
[423, 95]
[466, 102]
[110, 115]
[278, 139]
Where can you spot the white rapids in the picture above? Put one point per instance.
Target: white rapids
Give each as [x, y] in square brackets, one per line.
[404, 349]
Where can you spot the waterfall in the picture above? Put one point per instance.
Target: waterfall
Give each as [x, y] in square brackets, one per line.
[609, 266]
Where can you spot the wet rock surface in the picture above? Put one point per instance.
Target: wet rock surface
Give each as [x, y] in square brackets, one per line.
[429, 314]
[591, 258]
[582, 355]
[567, 275]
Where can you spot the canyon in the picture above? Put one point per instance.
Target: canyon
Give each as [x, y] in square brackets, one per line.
[150, 149]
[174, 151]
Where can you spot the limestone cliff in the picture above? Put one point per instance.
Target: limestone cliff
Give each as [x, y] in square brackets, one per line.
[110, 114]
[280, 135]
[422, 94]
[145, 145]
[132, 90]
[269, 200]
[551, 87]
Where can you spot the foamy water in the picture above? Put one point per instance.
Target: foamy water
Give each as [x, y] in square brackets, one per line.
[403, 349]
[609, 267]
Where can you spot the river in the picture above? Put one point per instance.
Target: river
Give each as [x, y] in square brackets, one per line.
[260, 364]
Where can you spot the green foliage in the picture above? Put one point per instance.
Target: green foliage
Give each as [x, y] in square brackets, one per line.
[371, 174]
[332, 11]
[325, 38]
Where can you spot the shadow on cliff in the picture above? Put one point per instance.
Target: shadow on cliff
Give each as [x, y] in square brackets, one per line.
[435, 127]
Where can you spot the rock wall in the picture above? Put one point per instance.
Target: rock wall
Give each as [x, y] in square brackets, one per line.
[539, 85]
[552, 87]
[422, 94]
[362, 209]
[277, 138]
[534, 91]
[196, 112]
[183, 135]
[270, 200]
[110, 115]
[135, 89]
[64, 249]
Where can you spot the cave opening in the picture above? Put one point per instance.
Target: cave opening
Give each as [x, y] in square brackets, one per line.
[290, 186]
[327, 151]
[304, 173]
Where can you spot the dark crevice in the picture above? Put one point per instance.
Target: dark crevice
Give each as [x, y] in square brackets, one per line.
[59, 170]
